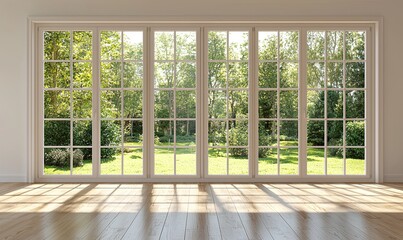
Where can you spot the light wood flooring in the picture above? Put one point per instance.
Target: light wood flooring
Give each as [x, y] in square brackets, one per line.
[201, 211]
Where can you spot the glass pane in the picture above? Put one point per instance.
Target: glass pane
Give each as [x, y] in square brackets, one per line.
[82, 133]
[164, 75]
[355, 75]
[237, 104]
[132, 75]
[316, 45]
[316, 161]
[164, 133]
[238, 75]
[289, 104]
[217, 104]
[56, 75]
[82, 75]
[133, 104]
[217, 161]
[82, 45]
[111, 74]
[316, 75]
[111, 161]
[56, 161]
[288, 133]
[355, 161]
[316, 133]
[185, 104]
[164, 45]
[355, 45]
[111, 45]
[335, 162]
[82, 161]
[268, 75]
[133, 161]
[289, 161]
[164, 104]
[186, 133]
[217, 45]
[289, 45]
[355, 133]
[217, 75]
[56, 45]
[268, 45]
[335, 133]
[57, 104]
[334, 75]
[164, 161]
[133, 45]
[238, 133]
[185, 75]
[111, 133]
[334, 41]
[82, 104]
[186, 161]
[355, 104]
[335, 104]
[133, 133]
[217, 133]
[186, 45]
[238, 161]
[111, 104]
[267, 104]
[316, 104]
[238, 45]
[268, 161]
[288, 75]
[267, 133]
[57, 133]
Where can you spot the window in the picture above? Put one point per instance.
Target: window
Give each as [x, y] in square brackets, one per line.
[205, 101]
[175, 81]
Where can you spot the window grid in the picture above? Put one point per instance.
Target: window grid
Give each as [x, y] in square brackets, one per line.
[174, 119]
[227, 119]
[344, 88]
[122, 89]
[71, 147]
[326, 88]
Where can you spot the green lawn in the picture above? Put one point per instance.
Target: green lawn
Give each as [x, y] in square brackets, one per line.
[217, 165]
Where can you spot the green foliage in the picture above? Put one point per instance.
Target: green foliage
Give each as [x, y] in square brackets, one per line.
[61, 157]
[238, 136]
[355, 137]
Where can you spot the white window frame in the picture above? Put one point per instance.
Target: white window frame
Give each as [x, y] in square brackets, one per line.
[374, 88]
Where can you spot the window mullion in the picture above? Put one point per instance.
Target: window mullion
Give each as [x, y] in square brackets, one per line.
[302, 108]
[96, 158]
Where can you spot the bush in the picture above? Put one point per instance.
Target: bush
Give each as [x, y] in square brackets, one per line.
[61, 158]
[78, 157]
[355, 136]
[57, 133]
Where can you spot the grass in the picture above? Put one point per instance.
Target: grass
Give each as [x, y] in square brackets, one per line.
[186, 163]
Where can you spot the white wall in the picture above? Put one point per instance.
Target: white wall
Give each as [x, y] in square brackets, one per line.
[13, 56]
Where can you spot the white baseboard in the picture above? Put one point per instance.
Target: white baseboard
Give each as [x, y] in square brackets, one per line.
[393, 178]
[12, 178]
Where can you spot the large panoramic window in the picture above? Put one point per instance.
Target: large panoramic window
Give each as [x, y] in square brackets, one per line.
[208, 101]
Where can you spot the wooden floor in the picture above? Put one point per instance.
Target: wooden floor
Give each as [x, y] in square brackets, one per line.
[201, 211]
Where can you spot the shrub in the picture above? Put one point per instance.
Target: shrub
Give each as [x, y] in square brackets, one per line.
[355, 136]
[61, 158]
[58, 157]
[78, 157]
